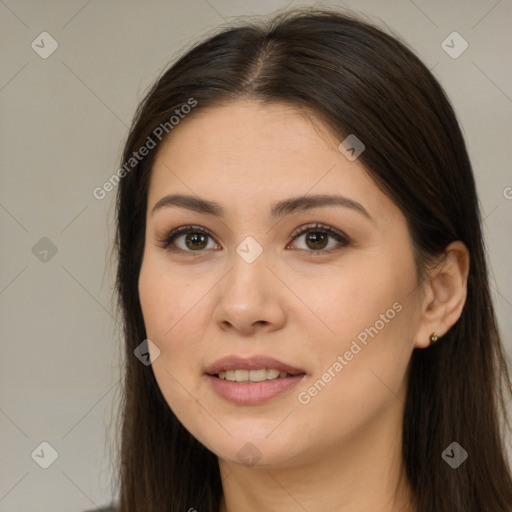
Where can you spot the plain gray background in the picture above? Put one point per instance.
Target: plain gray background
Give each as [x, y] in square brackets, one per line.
[64, 119]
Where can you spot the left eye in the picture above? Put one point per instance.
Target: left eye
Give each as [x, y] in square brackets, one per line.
[196, 239]
[317, 237]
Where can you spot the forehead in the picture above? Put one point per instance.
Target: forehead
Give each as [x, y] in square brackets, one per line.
[262, 152]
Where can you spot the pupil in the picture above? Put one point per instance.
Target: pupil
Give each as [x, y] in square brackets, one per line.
[317, 238]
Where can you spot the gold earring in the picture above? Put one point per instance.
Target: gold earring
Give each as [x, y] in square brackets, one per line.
[434, 337]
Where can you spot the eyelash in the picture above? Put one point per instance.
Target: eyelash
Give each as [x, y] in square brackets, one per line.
[344, 240]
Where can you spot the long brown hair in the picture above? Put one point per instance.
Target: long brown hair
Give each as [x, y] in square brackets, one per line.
[358, 80]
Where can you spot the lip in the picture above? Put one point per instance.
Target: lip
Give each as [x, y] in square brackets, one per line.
[250, 363]
[252, 393]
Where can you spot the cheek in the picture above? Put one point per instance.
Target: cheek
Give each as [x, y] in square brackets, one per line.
[171, 306]
[359, 299]
[166, 298]
[373, 312]
[167, 304]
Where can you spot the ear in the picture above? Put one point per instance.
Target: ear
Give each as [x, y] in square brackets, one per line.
[444, 294]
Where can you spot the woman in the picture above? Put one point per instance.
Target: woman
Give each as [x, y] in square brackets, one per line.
[301, 262]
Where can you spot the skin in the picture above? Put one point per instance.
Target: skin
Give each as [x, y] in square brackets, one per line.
[342, 450]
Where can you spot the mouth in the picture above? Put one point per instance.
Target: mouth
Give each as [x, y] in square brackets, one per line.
[253, 380]
[259, 375]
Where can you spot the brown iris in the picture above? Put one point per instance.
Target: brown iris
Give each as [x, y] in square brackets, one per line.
[194, 238]
[317, 238]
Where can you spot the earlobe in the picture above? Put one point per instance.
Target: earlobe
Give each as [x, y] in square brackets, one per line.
[434, 337]
[445, 295]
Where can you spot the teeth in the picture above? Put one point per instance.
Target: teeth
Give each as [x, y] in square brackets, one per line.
[273, 374]
[241, 375]
[252, 375]
[257, 375]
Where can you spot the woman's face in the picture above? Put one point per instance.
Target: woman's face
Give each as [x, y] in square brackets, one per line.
[337, 312]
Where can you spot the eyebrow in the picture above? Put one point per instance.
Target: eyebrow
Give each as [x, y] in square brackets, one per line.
[278, 209]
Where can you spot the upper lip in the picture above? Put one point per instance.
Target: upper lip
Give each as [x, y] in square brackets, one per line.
[250, 363]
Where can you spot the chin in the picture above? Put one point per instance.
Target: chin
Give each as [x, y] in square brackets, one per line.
[254, 448]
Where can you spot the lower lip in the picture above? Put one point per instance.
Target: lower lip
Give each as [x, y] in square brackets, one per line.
[249, 393]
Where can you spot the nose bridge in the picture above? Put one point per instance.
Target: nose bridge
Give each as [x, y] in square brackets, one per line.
[248, 266]
[247, 295]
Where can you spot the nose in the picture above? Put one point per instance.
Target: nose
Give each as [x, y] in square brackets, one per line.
[250, 297]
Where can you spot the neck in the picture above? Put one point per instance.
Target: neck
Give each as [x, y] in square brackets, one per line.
[362, 473]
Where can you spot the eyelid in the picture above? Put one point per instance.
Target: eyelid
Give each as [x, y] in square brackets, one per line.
[321, 227]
